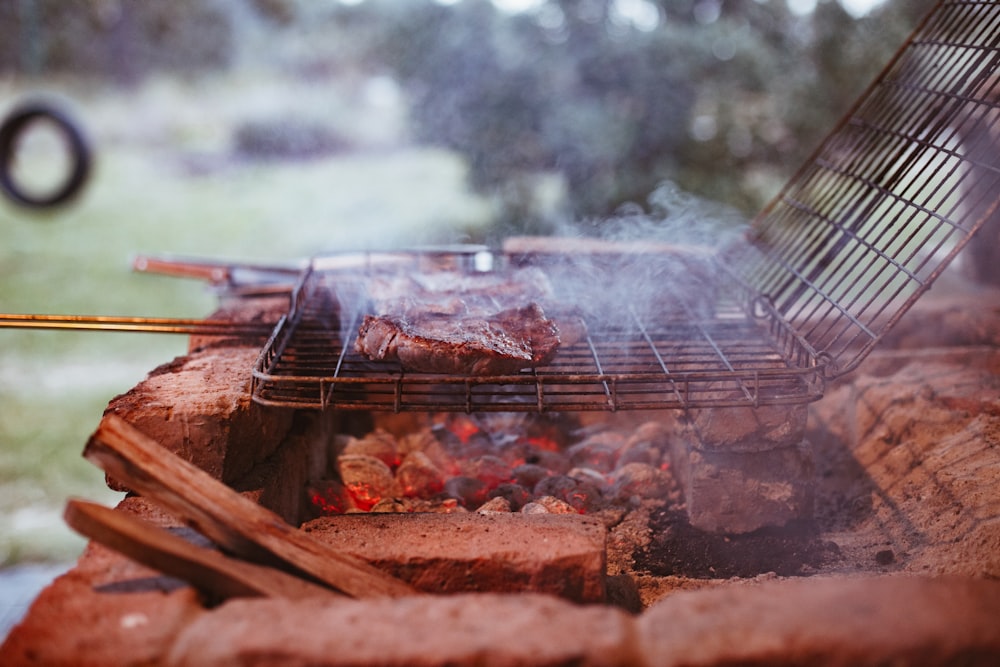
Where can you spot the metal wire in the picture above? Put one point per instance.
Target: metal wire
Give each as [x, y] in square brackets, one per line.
[727, 359]
[136, 324]
[859, 233]
[892, 195]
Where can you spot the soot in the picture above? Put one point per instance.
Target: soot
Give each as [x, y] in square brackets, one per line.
[680, 549]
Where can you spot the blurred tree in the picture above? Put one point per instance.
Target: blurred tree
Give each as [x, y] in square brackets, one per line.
[121, 38]
[724, 97]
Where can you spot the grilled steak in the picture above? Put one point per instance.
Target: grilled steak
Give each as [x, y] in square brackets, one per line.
[413, 296]
[472, 344]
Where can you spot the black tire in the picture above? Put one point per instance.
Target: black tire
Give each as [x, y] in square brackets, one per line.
[17, 122]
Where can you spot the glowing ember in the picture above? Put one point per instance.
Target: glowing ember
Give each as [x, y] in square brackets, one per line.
[543, 443]
[328, 497]
[367, 479]
[495, 463]
[463, 427]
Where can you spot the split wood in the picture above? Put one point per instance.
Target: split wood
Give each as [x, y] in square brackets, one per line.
[209, 570]
[235, 523]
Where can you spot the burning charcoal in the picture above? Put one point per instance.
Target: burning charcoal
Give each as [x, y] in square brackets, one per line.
[586, 497]
[421, 505]
[557, 485]
[646, 445]
[468, 491]
[639, 480]
[552, 431]
[598, 452]
[556, 462]
[497, 505]
[504, 428]
[530, 474]
[458, 431]
[548, 505]
[449, 506]
[425, 441]
[389, 505]
[328, 496]
[582, 496]
[514, 453]
[641, 453]
[516, 495]
[416, 441]
[417, 476]
[543, 443]
[535, 508]
[379, 444]
[588, 475]
[491, 470]
[368, 479]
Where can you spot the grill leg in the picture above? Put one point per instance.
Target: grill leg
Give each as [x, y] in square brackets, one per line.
[744, 469]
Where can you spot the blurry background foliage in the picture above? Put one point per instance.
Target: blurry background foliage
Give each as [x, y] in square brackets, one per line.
[603, 98]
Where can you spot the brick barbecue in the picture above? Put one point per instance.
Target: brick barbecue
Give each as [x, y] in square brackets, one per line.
[614, 587]
[598, 509]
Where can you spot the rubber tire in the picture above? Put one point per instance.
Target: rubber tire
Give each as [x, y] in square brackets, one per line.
[17, 122]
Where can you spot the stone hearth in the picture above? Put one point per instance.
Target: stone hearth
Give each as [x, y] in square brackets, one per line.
[899, 563]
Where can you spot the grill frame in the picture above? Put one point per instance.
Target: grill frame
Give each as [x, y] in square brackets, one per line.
[827, 268]
[892, 195]
[725, 358]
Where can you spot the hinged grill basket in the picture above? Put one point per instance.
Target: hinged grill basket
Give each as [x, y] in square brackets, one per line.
[859, 233]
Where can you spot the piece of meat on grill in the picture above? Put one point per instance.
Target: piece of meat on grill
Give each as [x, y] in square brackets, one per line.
[454, 293]
[499, 344]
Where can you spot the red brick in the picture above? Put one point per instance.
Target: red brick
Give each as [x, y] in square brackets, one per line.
[448, 553]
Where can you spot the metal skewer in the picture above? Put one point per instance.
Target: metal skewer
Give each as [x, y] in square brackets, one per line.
[136, 324]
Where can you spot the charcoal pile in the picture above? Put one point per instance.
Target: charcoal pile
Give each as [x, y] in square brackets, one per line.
[496, 463]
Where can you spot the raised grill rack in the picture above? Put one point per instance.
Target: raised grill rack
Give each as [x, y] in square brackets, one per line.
[865, 227]
[680, 359]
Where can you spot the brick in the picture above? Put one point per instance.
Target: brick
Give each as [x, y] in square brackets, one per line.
[562, 555]
[464, 629]
[199, 407]
[278, 483]
[836, 621]
[739, 492]
[747, 429]
[107, 610]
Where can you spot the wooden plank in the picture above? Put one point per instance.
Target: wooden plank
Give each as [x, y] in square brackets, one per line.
[236, 523]
[215, 574]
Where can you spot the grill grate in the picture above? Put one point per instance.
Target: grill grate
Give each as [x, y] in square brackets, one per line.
[892, 195]
[724, 359]
[859, 233]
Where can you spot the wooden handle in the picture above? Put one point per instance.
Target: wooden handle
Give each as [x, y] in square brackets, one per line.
[210, 571]
[236, 523]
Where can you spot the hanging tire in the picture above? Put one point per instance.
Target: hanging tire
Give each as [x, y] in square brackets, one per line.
[14, 126]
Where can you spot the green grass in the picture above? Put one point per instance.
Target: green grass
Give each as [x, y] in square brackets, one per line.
[171, 186]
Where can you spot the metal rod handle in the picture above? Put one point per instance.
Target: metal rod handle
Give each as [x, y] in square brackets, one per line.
[135, 324]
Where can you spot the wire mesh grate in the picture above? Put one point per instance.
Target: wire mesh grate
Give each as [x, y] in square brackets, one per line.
[859, 233]
[666, 361]
[892, 195]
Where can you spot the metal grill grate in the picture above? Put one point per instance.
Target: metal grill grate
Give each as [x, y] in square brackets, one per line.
[864, 228]
[892, 195]
[669, 361]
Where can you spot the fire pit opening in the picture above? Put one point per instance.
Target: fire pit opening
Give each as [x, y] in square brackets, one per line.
[586, 464]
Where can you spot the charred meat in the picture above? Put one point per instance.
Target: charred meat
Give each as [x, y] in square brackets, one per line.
[500, 343]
